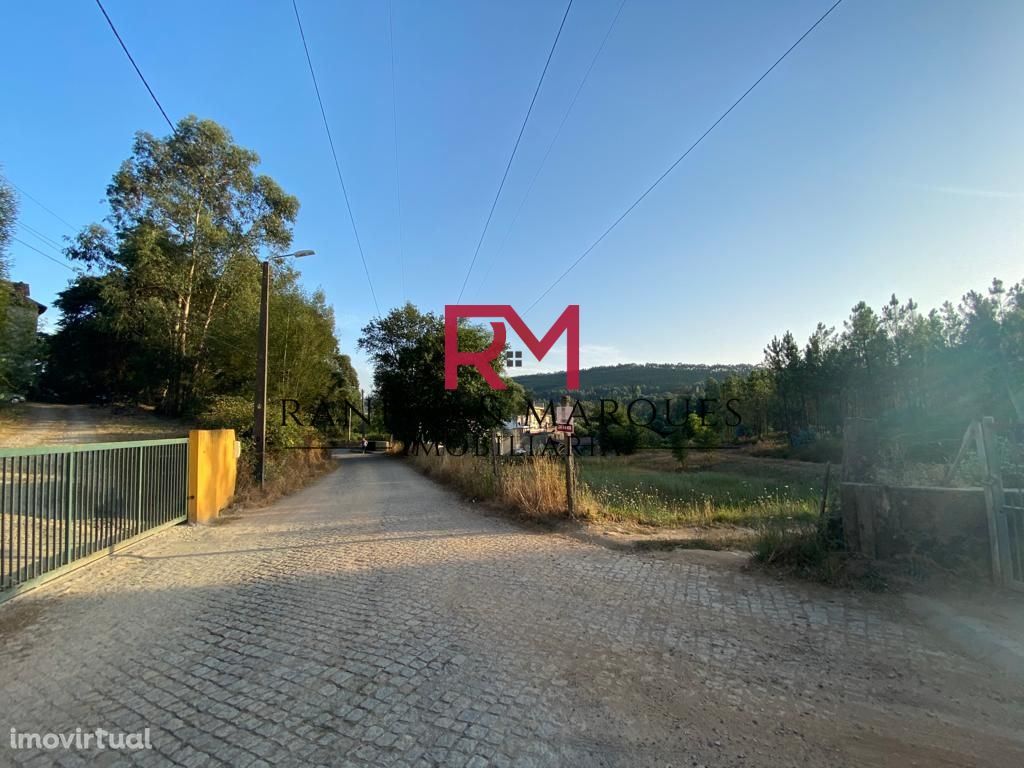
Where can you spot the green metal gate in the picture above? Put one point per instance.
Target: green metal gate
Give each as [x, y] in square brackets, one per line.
[1011, 534]
[61, 506]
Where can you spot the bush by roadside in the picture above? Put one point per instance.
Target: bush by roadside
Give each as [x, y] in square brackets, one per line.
[295, 454]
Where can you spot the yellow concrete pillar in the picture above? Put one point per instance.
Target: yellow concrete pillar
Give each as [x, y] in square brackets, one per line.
[212, 467]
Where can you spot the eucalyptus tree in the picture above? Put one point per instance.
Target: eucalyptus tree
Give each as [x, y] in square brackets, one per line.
[189, 215]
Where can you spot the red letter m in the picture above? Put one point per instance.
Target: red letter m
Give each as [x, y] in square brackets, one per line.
[568, 323]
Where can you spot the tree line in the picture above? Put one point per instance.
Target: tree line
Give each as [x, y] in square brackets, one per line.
[164, 309]
[917, 373]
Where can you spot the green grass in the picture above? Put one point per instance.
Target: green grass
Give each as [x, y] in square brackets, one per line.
[648, 496]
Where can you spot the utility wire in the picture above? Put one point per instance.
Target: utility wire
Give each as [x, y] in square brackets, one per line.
[334, 153]
[137, 70]
[394, 115]
[49, 242]
[44, 254]
[682, 157]
[554, 139]
[514, 149]
[61, 219]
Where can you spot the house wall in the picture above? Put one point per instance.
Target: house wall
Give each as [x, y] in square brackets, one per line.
[18, 345]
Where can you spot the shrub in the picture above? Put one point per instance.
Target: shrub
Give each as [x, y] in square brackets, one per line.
[294, 453]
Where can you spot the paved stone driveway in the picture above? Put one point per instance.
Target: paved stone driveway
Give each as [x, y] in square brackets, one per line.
[374, 620]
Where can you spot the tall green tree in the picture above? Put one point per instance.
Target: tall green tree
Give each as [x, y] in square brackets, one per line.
[177, 265]
[407, 350]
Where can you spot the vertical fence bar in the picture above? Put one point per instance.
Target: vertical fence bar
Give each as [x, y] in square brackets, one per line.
[36, 480]
[69, 505]
[30, 527]
[50, 459]
[3, 522]
[138, 494]
[32, 537]
[17, 516]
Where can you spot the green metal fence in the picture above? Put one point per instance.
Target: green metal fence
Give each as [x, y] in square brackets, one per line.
[60, 505]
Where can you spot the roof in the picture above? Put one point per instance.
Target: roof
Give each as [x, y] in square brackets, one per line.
[21, 291]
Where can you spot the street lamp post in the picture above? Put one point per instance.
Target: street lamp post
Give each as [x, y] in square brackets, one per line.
[260, 405]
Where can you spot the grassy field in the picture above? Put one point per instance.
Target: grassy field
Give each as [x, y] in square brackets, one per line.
[652, 490]
[648, 489]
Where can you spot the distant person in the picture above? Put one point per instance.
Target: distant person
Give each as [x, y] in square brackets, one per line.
[364, 444]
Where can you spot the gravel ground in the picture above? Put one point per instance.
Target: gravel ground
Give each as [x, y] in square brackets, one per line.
[32, 424]
[375, 620]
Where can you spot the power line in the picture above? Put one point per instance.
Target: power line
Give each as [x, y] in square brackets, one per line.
[514, 150]
[334, 153]
[394, 115]
[137, 70]
[61, 219]
[44, 254]
[41, 237]
[554, 139]
[682, 157]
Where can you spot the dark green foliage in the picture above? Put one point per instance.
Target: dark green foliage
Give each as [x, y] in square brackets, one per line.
[630, 380]
[407, 350]
[168, 313]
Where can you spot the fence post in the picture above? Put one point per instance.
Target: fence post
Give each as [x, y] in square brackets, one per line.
[993, 493]
[570, 490]
[495, 442]
[860, 449]
[824, 494]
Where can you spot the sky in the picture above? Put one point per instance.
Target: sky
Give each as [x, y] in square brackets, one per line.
[882, 156]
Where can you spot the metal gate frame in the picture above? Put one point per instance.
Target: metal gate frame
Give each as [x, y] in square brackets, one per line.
[1011, 538]
[62, 507]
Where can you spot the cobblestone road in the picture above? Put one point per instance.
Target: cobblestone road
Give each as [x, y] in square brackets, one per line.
[374, 620]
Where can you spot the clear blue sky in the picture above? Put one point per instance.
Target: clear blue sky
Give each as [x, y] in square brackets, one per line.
[884, 155]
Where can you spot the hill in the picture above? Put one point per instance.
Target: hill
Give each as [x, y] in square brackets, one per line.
[627, 379]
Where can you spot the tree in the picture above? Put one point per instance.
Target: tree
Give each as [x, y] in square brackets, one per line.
[407, 350]
[189, 216]
[8, 217]
[680, 446]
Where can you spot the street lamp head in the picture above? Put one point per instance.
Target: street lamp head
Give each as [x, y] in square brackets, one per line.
[296, 255]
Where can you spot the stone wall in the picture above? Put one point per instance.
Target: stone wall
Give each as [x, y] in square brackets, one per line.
[947, 525]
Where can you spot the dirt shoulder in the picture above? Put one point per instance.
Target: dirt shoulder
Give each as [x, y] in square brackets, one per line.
[34, 424]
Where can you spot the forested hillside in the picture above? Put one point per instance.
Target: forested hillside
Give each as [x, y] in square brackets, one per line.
[632, 379]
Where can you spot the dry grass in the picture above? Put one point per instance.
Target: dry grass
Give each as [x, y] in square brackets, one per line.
[535, 486]
[630, 492]
[287, 472]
